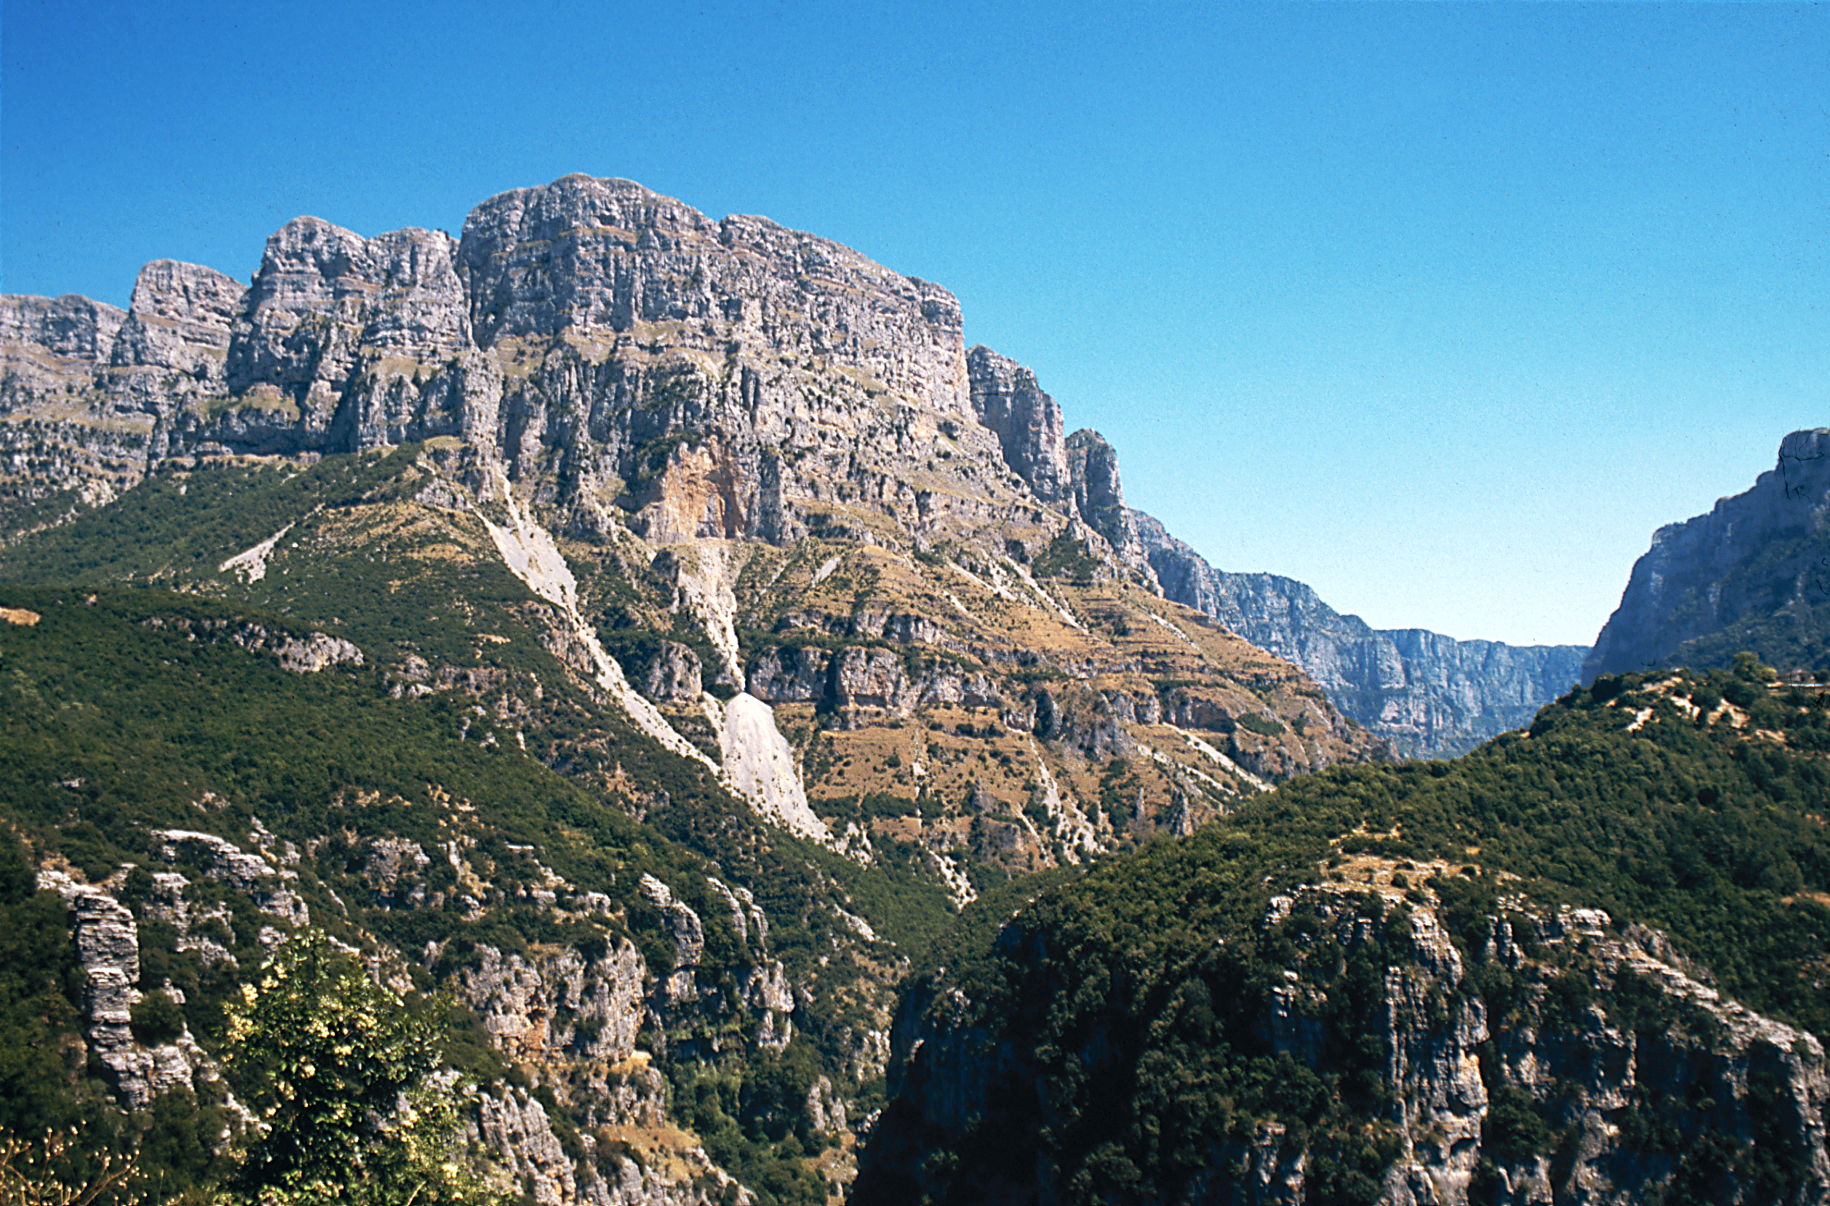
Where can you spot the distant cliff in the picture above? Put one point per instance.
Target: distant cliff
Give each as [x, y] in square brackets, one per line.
[1428, 694]
[1753, 575]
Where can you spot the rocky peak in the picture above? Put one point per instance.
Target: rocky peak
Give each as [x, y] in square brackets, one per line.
[68, 326]
[325, 296]
[1100, 499]
[180, 319]
[1748, 575]
[1027, 422]
[602, 256]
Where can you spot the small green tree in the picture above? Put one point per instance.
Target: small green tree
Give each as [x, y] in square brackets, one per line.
[61, 1169]
[339, 1072]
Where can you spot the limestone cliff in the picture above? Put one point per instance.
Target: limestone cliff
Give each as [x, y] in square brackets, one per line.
[1752, 575]
[700, 378]
[632, 364]
[573, 1019]
[1472, 1049]
[1027, 422]
[1428, 694]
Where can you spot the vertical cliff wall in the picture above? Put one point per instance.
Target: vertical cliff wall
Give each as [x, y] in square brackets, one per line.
[1753, 574]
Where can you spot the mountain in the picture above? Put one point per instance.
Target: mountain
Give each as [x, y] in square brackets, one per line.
[1753, 576]
[660, 659]
[1583, 964]
[629, 362]
[1428, 694]
[645, 630]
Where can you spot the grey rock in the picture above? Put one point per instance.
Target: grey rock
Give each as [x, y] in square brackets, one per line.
[39, 331]
[1753, 574]
[108, 950]
[559, 1002]
[870, 679]
[688, 930]
[1027, 422]
[1098, 495]
[394, 870]
[674, 673]
[948, 1066]
[1428, 694]
[179, 320]
[308, 653]
[316, 651]
[264, 884]
[347, 342]
[791, 674]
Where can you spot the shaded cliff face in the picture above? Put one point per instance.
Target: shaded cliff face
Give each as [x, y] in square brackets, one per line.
[1428, 694]
[1461, 1072]
[1027, 422]
[1752, 575]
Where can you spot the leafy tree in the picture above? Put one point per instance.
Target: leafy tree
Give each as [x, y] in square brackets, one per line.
[61, 1170]
[340, 1073]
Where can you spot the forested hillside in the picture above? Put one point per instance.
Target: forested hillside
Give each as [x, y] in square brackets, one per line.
[1500, 979]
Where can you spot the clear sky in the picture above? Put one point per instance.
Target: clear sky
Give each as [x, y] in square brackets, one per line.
[1440, 308]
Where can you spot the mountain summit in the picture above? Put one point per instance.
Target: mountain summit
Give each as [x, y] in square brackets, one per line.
[630, 364]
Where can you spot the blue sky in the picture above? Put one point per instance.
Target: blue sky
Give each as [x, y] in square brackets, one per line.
[1442, 308]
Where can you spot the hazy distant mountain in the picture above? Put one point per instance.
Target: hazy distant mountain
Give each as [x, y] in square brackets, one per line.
[1429, 695]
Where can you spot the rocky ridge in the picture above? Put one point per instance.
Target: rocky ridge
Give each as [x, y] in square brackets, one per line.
[1428, 694]
[630, 362]
[1752, 575]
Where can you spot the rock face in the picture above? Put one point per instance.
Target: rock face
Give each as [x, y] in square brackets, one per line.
[1455, 1062]
[1027, 422]
[667, 360]
[108, 947]
[572, 1016]
[1428, 694]
[1753, 574]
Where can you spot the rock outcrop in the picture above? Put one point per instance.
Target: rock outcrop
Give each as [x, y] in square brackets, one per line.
[108, 950]
[1098, 495]
[1027, 422]
[1752, 575]
[1428, 694]
[1630, 1098]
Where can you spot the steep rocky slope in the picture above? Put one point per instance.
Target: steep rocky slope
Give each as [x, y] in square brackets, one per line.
[1428, 694]
[1752, 575]
[629, 362]
[648, 630]
[1372, 986]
